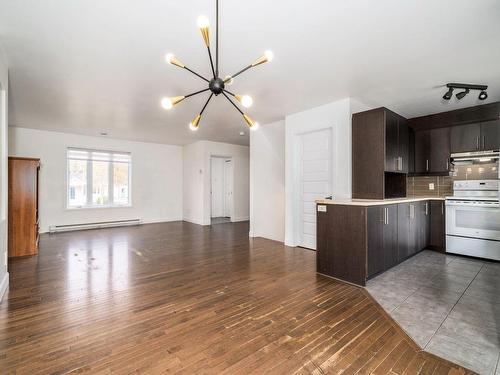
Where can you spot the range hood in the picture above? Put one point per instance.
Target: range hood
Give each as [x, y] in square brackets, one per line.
[475, 157]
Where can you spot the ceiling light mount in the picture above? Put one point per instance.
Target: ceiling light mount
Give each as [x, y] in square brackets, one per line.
[216, 85]
[466, 89]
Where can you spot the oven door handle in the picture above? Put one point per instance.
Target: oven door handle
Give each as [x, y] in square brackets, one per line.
[469, 204]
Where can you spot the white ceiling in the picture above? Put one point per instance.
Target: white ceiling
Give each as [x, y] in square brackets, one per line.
[88, 66]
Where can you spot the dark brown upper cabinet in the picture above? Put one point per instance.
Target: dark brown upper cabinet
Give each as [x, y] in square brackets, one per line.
[432, 151]
[397, 141]
[490, 135]
[465, 138]
[380, 154]
[484, 136]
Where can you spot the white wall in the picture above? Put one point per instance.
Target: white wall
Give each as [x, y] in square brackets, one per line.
[4, 85]
[156, 177]
[193, 182]
[267, 182]
[197, 197]
[337, 117]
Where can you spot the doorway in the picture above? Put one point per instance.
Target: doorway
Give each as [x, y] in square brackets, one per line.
[221, 185]
[315, 181]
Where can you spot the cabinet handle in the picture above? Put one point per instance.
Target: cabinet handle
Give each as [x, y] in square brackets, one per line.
[386, 216]
[412, 211]
[426, 208]
[484, 142]
[442, 208]
[400, 163]
[447, 165]
[477, 143]
[427, 165]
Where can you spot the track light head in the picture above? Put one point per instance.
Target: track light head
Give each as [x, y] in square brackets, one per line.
[462, 94]
[483, 95]
[448, 94]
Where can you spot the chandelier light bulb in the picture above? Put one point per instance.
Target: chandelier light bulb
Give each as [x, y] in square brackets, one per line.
[168, 103]
[245, 100]
[193, 125]
[203, 22]
[228, 80]
[269, 55]
[169, 57]
[172, 60]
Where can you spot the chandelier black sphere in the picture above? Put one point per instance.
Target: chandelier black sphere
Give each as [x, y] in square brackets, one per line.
[216, 85]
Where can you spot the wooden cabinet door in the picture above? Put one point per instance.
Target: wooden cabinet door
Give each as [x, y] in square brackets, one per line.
[404, 145]
[439, 150]
[422, 151]
[403, 231]
[437, 225]
[465, 138]
[391, 142]
[390, 236]
[423, 219]
[23, 201]
[490, 135]
[414, 224]
[375, 223]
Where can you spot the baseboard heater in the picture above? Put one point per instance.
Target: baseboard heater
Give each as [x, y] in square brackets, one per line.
[98, 225]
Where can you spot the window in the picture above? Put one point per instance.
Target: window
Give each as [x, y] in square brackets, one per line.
[98, 178]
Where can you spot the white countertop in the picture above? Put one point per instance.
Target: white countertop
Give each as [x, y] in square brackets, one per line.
[376, 202]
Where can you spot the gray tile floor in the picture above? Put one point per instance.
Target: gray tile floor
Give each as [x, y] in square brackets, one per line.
[449, 305]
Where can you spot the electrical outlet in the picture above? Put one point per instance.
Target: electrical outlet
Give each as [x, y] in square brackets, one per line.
[431, 186]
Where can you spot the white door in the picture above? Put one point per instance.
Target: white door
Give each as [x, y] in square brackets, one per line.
[315, 181]
[227, 187]
[217, 182]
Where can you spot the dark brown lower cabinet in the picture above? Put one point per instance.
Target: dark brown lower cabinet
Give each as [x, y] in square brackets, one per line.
[437, 224]
[382, 232]
[355, 243]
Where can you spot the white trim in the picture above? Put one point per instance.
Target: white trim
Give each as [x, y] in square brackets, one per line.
[162, 220]
[237, 219]
[4, 285]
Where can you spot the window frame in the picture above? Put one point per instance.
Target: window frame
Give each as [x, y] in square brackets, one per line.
[90, 205]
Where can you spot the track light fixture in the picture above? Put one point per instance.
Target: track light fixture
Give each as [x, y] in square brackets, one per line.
[216, 85]
[462, 94]
[483, 95]
[448, 94]
[466, 89]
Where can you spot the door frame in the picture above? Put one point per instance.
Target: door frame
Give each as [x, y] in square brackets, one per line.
[231, 185]
[297, 177]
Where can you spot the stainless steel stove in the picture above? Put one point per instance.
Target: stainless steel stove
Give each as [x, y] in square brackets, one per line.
[473, 219]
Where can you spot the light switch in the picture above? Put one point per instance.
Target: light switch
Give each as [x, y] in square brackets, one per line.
[321, 208]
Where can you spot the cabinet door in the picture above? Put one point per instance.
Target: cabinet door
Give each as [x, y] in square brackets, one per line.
[422, 151]
[465, 138]
[437, 225]
[414, 224]
[390, 242]
[404, 145]
[403, 231]
[375, 222]
[391, 142]
[439, 150]
[423, 217]
[490, 135]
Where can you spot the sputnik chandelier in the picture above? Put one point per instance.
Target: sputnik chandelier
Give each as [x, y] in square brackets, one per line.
[216, 85]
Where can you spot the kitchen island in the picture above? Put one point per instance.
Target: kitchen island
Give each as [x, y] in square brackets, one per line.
[360, 238]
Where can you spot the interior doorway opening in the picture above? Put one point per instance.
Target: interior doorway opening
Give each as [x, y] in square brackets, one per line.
[221, 189]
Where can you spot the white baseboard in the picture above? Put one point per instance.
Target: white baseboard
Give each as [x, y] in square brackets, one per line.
[4, 285]
[193, 221]
[163, 220]
[236, 219]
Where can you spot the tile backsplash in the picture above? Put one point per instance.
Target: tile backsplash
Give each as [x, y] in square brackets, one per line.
[421, 186]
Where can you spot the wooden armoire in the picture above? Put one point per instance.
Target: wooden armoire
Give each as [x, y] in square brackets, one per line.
[23, 206]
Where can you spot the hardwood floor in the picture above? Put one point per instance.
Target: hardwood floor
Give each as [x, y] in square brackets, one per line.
[180, 298]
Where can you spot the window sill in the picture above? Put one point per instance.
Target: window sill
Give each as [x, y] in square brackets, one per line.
[97, 207]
